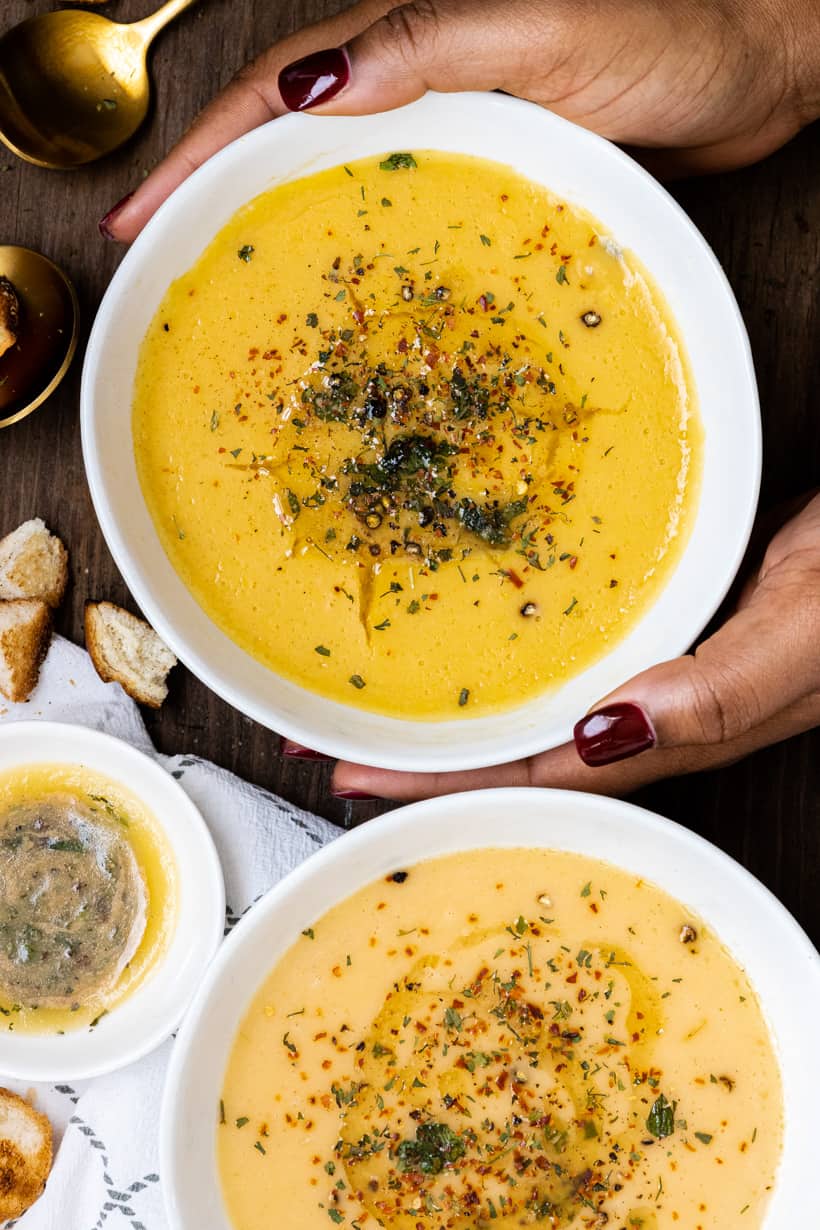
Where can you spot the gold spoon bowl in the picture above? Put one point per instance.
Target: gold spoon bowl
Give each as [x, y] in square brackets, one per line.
[46, 339]
[74, 85]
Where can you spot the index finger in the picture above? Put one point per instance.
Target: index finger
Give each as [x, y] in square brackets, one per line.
[251, 99]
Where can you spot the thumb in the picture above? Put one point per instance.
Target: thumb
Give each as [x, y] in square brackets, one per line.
[446, 46]
[761, 661]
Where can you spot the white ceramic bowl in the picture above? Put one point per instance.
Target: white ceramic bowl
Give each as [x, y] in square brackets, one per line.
[154, 1009]
[578, 166]
[780, 961]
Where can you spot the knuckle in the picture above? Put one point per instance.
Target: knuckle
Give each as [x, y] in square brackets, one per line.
[723, 704]
[412, 28]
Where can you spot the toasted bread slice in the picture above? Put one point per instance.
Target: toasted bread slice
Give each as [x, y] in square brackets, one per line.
[33, 564]
[25, 1154]
[25, 634]
[9, 315]
[127, 650]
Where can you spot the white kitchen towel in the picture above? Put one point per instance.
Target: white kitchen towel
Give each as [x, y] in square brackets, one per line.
[106, 1169]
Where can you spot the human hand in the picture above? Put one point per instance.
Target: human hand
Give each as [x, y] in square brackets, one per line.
[707, 85]
[754, 682]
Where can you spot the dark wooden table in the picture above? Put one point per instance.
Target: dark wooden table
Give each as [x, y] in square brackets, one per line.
[764, 224]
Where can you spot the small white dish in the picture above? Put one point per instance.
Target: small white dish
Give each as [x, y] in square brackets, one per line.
[637, 213]
[762, 936]
[150, 1013]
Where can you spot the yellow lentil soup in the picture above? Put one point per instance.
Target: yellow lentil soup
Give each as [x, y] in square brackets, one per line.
[416, 435]
[496, 1039]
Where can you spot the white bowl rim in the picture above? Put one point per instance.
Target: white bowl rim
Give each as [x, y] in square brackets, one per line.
[655, 844]
[344, 731]
[154, 1009]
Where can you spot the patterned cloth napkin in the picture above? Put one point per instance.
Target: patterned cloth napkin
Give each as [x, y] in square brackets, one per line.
[106, 1165]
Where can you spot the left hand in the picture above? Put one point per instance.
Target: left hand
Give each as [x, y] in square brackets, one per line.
[754, 682]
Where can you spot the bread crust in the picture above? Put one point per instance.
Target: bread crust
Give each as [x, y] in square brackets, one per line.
[25, 635]
[33, 563]
[97, 641]
[24, 1165]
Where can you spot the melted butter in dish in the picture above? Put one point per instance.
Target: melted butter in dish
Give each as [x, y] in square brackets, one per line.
[415, 419]
[498, 1039]
[87, 892]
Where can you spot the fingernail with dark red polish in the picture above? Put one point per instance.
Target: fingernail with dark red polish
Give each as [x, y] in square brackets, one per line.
[315, 79]
[613, 733]
[104, 224]
[297, 751]
[352, 796]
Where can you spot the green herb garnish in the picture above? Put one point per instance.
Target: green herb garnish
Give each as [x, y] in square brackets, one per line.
[395, 161]
[661, 1119]
[436, 1146]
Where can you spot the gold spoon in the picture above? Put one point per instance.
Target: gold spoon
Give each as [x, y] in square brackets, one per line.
[44, 331]
[74, 85]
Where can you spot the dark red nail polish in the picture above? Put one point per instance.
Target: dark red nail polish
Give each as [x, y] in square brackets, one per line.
[298, 751]
[104, 223]
[314, 79]
[353, 796]
[613, 733]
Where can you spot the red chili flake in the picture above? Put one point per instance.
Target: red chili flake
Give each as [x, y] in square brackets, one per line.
[514, 577]
[573, 560]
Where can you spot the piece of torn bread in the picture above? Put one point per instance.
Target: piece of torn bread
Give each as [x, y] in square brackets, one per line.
[25, 634]
[33, 564]
[25, 1154]
[127, 650]
[9, 315]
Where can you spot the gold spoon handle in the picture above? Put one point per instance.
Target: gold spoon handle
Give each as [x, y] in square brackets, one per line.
[151, 25]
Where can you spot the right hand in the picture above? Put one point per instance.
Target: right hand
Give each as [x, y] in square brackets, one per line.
[705, 84]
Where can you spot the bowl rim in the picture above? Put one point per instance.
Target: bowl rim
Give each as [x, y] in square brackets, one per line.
[414, 823]
[331, 727]
[145, 1018]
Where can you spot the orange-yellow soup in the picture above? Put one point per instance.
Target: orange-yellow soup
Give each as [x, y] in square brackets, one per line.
[416, 435]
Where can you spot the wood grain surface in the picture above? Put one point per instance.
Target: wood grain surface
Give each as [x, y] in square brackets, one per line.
[764, 225]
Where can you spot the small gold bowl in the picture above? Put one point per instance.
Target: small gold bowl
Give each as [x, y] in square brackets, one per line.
[47, 337]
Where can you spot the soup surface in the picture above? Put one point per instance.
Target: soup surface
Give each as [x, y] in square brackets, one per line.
[416, 435]
[499, 1039]
[87, 892]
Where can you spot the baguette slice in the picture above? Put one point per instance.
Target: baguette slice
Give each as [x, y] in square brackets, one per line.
[127, 650]
[25, 633]
[25, 1154]
[33, 564]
